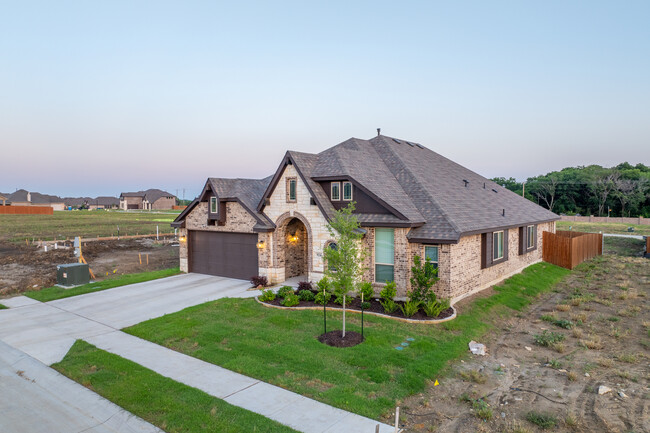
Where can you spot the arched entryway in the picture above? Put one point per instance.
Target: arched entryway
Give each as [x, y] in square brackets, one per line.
[293, 246]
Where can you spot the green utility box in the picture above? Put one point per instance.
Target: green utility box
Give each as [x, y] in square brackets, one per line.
[73, 274]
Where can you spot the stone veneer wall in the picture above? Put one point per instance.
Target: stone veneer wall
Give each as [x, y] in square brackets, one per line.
[237, 220]
[317, 228]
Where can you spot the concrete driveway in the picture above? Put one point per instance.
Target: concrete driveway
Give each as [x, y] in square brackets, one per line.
[46, 331]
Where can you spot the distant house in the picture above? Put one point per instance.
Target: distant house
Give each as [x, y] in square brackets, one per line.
[3, 199]
[105, 203]
[25, 198]
[151, 199]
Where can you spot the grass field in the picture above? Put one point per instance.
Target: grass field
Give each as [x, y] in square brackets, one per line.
[68, 224]
[52, 293]
[167, 404]
[280, 346]
[642, 230]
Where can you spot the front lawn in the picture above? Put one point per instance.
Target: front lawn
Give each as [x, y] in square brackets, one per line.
[280, 346]
[55, 292]
[165, 403]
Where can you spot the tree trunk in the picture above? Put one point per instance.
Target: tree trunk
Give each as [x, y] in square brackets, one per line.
[343, 316]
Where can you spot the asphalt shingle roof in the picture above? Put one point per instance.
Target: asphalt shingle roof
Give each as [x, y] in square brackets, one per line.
[248, 191]
[151, 195]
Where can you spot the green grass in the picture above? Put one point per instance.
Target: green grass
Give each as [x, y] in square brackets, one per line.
[2, 307]
[280, 346]
[88, 224]
[604, 227]
[172, 406]
[54, 292]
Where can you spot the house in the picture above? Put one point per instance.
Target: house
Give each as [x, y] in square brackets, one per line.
[25, 198]
[104, 202]
[151, 199]
[3, 199]
[409, 200]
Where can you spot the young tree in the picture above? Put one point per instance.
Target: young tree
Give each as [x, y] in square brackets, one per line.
[425, 275]
[345, 262]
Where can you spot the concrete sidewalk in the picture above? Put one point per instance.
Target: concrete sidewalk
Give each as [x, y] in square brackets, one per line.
[286, 407]
[36, 399]
[46, 331]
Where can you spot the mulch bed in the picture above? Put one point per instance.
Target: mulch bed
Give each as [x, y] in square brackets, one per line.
[375, 307]
[335, 338]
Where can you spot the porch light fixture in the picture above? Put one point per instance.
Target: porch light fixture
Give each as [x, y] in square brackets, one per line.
[293, 237]
[182, 239]
[260, 245]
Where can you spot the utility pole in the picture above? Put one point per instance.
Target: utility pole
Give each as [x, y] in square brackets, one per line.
[523, 189]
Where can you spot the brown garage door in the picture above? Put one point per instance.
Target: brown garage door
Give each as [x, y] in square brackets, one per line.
[231, 255]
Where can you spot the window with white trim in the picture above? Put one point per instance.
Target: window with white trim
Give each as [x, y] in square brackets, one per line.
[431, 253]
[213, 205]
[336, 191]
[347, 191]
[530, 237]
[384, 255]
[497, 245]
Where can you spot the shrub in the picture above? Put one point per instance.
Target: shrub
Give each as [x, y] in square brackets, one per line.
[411, 307]
[267, 295]
[290, 300]
[259, 280]
[434, 308]
[323, 284]
[548, 339]
[285, 291]
[389, 306]
[322, 298]
[365, 305]
[339, 299]
[543, 420]
[389, 291]
[366, 289]
[424, 276]
[306, 295]
[304, 285]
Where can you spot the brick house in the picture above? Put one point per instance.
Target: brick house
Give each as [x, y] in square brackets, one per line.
[409, 200]
[23, 197]
[151, 199]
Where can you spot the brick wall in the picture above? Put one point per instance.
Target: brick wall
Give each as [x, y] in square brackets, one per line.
[163, 203]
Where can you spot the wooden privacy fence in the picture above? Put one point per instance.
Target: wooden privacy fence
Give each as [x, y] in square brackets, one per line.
[569, 249]
[26, 210]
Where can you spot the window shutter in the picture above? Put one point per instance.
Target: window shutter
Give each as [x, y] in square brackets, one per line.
[486, 250]
[505, 244]
[522, 239]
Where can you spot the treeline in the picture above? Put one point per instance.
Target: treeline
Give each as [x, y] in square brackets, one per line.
[623, 190]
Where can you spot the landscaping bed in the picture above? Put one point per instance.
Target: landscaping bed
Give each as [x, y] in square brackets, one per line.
[373, 306]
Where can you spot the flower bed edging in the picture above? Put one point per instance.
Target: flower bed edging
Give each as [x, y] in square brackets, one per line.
[386, 316]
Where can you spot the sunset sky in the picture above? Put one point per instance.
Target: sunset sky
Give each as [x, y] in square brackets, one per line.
[99, 97]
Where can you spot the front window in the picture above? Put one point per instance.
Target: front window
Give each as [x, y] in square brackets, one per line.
[213, 205]
[497, 246]
[531, 237]
[431, 253]
[347, 191]
[336, 191]
[291, 189]
[335, 247]
[384, 255]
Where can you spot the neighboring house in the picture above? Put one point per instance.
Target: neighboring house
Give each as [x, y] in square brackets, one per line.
[25, 198]
[3, 200]
[151, 199]
[92, 203]
[409, 200]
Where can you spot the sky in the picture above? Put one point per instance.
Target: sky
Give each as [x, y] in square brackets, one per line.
[102, 97]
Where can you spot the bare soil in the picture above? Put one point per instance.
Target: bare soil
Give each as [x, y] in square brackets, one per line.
[28, 267]
[606, 300]
[335, 338]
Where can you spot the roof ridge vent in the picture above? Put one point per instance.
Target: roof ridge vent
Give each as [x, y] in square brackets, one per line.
[410, 144]
[397, 141]
[420, 146]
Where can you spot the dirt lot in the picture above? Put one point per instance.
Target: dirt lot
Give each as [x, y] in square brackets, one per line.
[25, 267]
[602, 313]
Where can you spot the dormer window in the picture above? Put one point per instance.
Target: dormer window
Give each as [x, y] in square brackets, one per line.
[336, 191]
[213, 205]
[347, 191]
